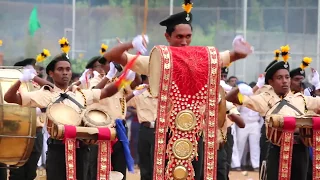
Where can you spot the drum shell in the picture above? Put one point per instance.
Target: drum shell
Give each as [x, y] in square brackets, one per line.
[274, 135]
[17, 124]
[306, 136]
[54, 112]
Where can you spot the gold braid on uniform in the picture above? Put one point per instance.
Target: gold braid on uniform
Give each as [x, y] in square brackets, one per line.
[122, 103]
[84, 97]
[305, 105]
[224, 138]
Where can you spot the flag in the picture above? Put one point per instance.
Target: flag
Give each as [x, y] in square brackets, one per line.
[34, 23]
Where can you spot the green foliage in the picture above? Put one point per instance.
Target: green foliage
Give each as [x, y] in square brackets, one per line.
[78, 65]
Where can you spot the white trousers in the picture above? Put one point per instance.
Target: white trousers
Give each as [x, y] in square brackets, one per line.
[250, 133]
[235, 162]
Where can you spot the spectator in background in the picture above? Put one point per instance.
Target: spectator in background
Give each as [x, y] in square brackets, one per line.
[75, 77]
[232, 81]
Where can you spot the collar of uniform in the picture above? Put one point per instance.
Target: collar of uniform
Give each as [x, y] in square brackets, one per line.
[56, 89]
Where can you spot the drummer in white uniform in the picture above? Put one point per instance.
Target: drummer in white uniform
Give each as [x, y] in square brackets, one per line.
[59, 69]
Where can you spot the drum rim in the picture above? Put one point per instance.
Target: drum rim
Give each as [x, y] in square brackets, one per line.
[89, 122]
[50, 117]
[153, 50]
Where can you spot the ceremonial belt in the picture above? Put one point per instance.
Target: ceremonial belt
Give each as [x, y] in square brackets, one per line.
[316, 148]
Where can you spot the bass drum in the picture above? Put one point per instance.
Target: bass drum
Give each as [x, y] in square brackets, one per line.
[17, 124]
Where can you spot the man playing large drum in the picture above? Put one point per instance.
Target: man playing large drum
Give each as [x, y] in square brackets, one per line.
[277, 98]
[59, 69]
[178, 34]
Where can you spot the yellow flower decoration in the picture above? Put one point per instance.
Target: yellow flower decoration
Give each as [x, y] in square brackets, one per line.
[285, 53]
[277, 54]
[187, 6]
[305, 62]
[64, 45]
[103, 49]
[0, 42]
[43, 55]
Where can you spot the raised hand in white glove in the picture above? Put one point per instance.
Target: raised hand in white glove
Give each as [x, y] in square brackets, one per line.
[241, 47]
[315, 79]
[85, 76]
[245, 89]
[225, 86]
[261, 81]
[139, 43]
[140, 89]
[131, 76]
[112, 71]
[27, 75]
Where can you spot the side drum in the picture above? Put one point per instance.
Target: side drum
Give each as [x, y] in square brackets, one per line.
[17, 124]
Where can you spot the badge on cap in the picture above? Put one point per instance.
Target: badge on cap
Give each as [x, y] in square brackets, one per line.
[302, 72]
[188, 17]
[285, 65]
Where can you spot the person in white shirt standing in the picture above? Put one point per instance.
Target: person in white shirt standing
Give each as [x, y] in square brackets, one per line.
[250, 133]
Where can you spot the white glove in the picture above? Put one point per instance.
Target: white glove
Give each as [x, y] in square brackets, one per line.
[85, 75]
[96, 74]
[38, 111]
[238, 42]
[131, 76]
[315, 79]
[261, 81]
[27, 75]
[138, 43]
[112, 71]
[139, 91]
[225, 86]
[245, 89]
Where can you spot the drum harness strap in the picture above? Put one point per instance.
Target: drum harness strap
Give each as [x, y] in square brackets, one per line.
[62, 97]
[283, 102]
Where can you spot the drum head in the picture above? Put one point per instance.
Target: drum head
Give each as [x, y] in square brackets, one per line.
[96, 117]
[115, 175]
[155, 71]
[62, 114]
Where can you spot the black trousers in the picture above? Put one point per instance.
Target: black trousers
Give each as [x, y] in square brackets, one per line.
[229, 149]
[264, 144]
[222, 164]
[299, 166]
[3, 171]
[29, 170]
[118, 160]
[146, 152]
[310, 170]
[56, 165]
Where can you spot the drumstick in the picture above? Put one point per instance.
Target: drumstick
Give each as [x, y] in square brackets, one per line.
[144, 30]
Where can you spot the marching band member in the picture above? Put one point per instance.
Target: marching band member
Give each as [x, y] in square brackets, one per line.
[270, 101]
[59, 69]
